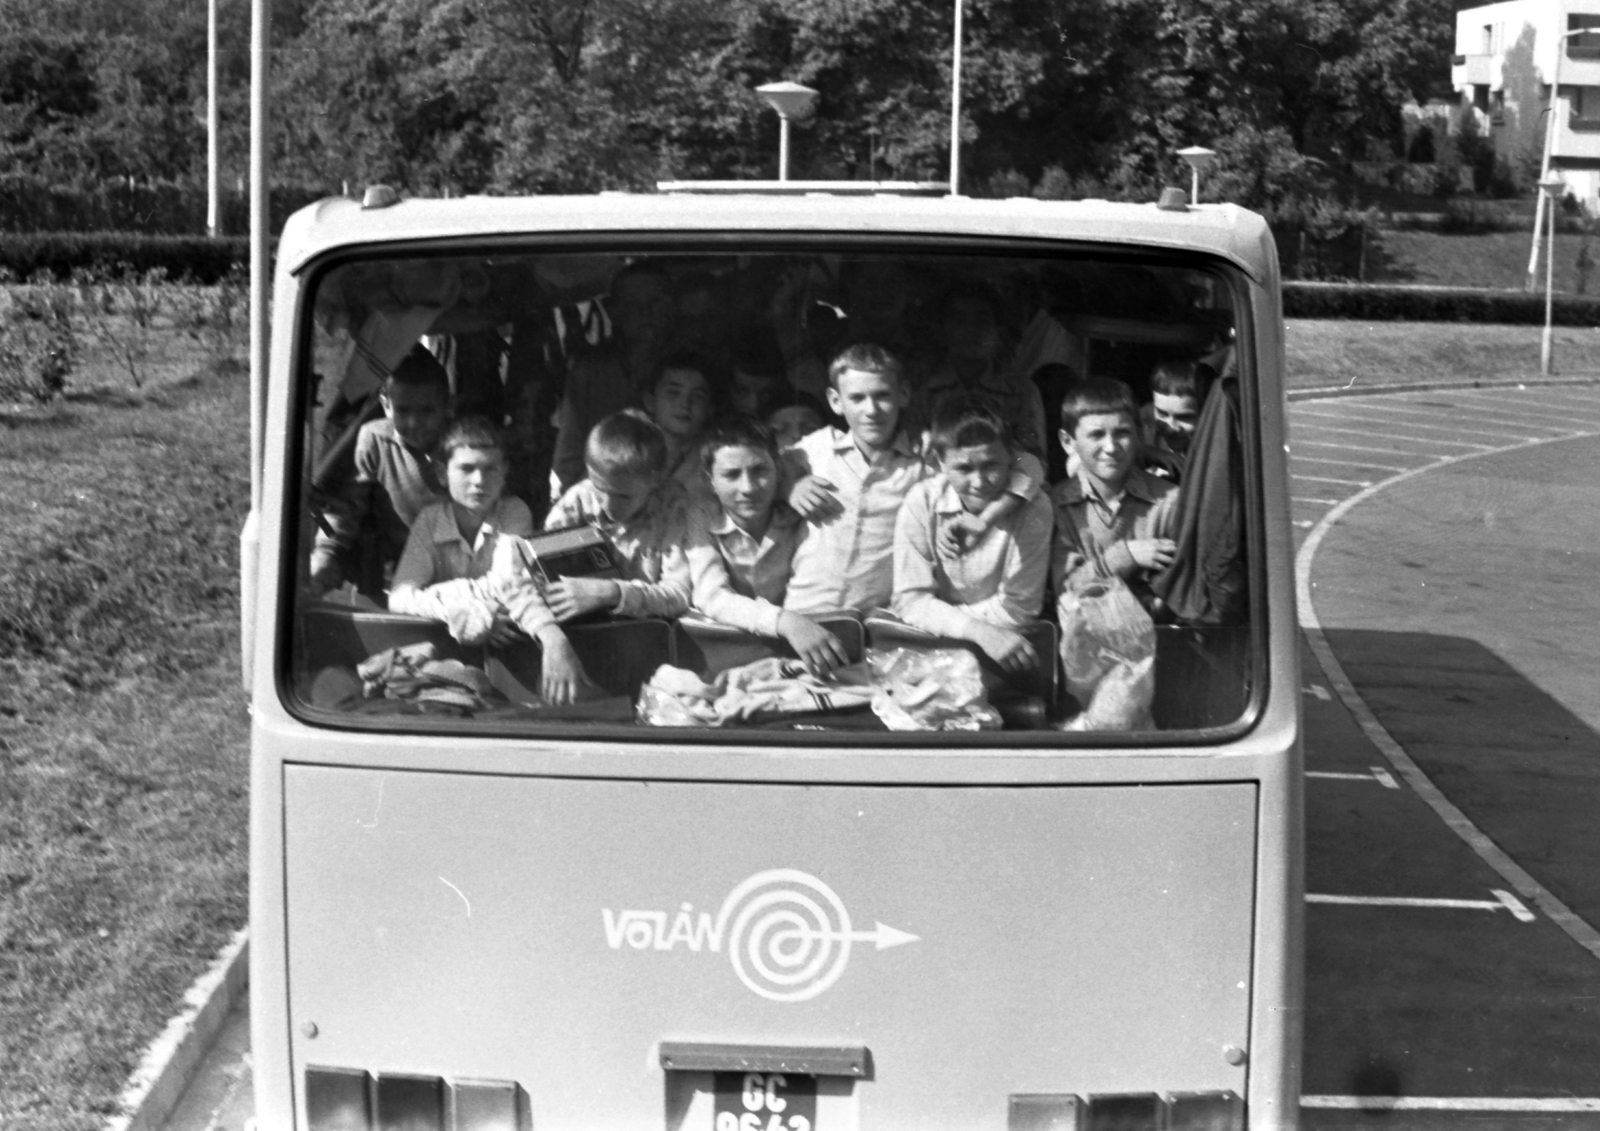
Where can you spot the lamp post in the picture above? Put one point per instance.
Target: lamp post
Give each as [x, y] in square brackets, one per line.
[1549, 186]
[791, 101]
[1200, 159]
[213, 165]
[1549, 150]
[955, 105]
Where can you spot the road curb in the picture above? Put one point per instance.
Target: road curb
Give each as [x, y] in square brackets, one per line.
[169, 1064]
[1433, 386]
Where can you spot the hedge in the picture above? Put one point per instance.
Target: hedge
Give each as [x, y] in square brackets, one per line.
[59, 254]
[1378, 303]
[33, 203]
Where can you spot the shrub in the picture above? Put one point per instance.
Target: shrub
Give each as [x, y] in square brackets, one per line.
[61, 254]
[38, 342]
[1433, 304]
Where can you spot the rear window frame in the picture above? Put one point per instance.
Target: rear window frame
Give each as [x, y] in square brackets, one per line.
[687, 243]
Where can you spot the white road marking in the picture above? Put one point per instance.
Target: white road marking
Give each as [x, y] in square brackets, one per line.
[1381, 776]
[1385, 777]
[1327, 479]
[1499, 904]
[1304, 523]
[1314, 502]
[1388, 414]
[1346, 462]
[1453, 1103]
[1319, 691]
[1340, 446]
[1514, 874]
[1404, 439]
[1538, 412]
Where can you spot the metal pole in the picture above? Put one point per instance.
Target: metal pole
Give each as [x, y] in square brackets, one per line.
[1194, 184]
[213, 166]
[783, 147]
[1544, 167]
[1546, 347]
[955, 107]
[260, 266]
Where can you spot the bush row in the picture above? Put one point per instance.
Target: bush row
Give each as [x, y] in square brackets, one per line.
[59, 255]
[1378, 303]
[30, 203]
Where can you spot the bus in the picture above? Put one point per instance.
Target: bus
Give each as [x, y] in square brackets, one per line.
[473, 907]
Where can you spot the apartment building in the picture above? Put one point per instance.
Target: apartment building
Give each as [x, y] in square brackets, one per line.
[1507, 56]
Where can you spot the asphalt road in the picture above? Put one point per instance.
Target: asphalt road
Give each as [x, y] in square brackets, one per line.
[1449, 569]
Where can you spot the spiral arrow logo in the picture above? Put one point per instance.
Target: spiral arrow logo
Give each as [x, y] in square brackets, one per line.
[788, 935]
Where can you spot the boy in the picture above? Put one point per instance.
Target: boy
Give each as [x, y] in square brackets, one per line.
[997, 583]
[1176, 396]
[454, 543]
[740, 551]
[850, 484]
[792, 416]
[679, 401]
[399, 470]
[628, 496]
[1112, 518]
[758, 371]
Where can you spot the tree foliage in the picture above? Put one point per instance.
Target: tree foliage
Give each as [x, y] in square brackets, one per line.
[435, 96]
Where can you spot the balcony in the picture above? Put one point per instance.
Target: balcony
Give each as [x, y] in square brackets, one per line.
[1472, 70]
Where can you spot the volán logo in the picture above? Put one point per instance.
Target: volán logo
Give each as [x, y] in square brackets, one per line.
[787, 934]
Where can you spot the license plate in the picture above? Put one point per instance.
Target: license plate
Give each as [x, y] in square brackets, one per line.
[765, 1101]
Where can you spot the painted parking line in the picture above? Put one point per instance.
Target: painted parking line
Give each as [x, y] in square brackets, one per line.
[1342, 446]
[1508, 1105]
[1315, 502]
[1347, 462]
[1378, 774]
[1329, 479]
[1389, 414]
[1503, 901]
[1368, 434]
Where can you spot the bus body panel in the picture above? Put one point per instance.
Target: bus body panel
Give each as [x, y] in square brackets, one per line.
[555, 932]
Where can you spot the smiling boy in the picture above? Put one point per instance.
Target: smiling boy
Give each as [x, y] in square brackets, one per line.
[996, 585]
[1112, 518]
[741, 550]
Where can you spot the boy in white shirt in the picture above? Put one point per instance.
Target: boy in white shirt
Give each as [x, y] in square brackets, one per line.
[742, 548]
[996, 584]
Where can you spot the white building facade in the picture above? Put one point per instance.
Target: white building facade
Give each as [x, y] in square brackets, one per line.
[1506, 57]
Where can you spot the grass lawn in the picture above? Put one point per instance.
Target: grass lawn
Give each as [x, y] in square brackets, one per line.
[123, 763]
[1369, 354]
[1491, 259]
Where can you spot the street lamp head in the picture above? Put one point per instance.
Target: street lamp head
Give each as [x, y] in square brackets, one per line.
[1552, 186]
[1199, 157]
[792, 101]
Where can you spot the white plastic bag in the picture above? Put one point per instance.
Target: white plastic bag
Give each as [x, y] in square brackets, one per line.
[1108, 648]
[930, 689]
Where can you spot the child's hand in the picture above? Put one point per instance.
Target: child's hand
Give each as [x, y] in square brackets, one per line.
[1008, 648]
[504, 631]
[570, 597]
[561, 674]
[815, 499]
[961, 533]
[820, 650]
[1153, 553]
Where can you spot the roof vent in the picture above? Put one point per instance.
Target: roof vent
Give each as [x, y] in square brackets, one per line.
[379, 196]
[1173, 200]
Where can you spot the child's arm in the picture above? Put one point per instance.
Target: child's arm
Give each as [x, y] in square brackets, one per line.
[511, 585]
[1020, 596]
[347, 506]
[812, 497]
[916, 596]
[1027, 482]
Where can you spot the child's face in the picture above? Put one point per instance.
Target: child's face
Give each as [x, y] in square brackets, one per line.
[979, 473]
[870, 404]
[476, 477]
[641, 309]
[1104, 443]
[1175, 419]
[745, 481]
[680, 403]
[791, 422]
[418, 413]
[750, 389]
[623, 496]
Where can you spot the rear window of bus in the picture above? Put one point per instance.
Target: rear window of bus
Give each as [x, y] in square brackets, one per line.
[973, 497]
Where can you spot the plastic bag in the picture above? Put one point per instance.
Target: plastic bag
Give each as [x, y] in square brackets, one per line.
[930, 689]
[1108, 648]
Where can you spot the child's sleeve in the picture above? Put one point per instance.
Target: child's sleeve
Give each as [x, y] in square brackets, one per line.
[510, 583]
[662, 587]
[712, 591]
[916, 586]
[1027, 476]
[1027, 561]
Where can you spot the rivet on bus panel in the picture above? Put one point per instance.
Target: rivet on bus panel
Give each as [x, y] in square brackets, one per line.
[309, 1030]
[1043, 1113]
[1233, 1054]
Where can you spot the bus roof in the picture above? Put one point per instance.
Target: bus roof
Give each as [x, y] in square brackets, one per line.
[1226, 230]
